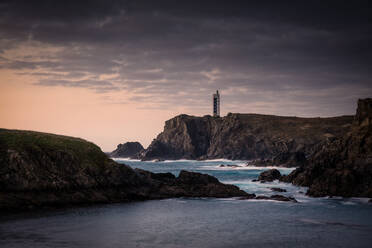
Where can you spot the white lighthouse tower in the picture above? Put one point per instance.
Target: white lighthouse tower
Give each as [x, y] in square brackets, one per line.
[216, 104]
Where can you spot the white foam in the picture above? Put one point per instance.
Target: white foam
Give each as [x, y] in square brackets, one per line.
[243, 167]
[178, 160]
[225, 160]
[126, 159]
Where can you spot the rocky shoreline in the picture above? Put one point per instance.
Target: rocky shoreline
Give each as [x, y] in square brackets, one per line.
[40, 170]
[45, 170]
[333, 155]
[341, 166]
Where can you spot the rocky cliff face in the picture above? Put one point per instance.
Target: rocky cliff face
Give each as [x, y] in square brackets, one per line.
[38, 169]
[126, 150]
[243, 136]
[341, 166]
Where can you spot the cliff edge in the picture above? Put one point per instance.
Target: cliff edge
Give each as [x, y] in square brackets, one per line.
[243, 136]
[341, 166]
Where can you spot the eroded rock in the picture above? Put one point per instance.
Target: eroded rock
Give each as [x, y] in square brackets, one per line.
[269, 175]
[341, 166]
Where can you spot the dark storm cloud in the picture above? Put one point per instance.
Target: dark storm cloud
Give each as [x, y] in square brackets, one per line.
[284, 53]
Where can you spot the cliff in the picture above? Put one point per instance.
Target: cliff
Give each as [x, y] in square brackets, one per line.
[126, 150]
[39, 169]
[342, 166]
[243, 136]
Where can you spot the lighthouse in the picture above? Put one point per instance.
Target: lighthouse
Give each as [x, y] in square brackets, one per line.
[216, 104]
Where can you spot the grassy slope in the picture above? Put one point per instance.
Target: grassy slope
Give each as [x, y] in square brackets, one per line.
[296, 126]
[31, 141]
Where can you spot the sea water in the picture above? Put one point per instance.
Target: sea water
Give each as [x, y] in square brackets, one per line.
[200, 222]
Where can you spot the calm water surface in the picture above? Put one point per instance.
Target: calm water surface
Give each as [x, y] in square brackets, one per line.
[200, 222]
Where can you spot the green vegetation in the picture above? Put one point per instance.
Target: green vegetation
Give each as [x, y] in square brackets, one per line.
[31, 142]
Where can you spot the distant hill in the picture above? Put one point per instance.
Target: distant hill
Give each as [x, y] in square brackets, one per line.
[242, 136]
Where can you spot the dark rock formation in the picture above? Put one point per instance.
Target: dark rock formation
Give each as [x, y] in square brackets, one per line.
[38, 170]
[283, 198]
[244, 136]
[269, 175]
[248, 197]
[187, 184]
[277, 198]
[284, 159]
[126, 150]
[272, 197]
[229, 165]
[341, 166]
[278, 189]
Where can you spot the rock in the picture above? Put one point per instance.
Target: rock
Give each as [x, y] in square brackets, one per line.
[126, 150]
[248, 197]
[244, 136]
[283, 159]
[44, 170]
[278, 189]
[262, 197]
[276, 198]
[260, 162]
[269, 175]
[341, 166]
[290, 159]
[229, 165]
[190, 184]
[159, 160]
[194, 178]
[282, 198]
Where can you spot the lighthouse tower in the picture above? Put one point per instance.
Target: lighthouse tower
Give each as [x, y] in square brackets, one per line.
[216, 104]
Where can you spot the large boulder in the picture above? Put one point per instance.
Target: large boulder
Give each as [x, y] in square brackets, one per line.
[269, 175]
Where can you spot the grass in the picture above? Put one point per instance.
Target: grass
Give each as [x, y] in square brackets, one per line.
[37, 142]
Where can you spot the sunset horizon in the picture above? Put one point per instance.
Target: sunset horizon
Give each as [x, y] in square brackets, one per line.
[115, 72]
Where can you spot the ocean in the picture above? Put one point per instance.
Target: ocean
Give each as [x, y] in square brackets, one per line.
[200, 222]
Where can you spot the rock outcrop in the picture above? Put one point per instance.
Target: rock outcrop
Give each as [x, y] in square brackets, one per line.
[277, 198]
[39, 169]
[272, 197]
[127, 150]
[341, 166]
[284, 159]
[244, 136]
[278, 189]
[269, 175]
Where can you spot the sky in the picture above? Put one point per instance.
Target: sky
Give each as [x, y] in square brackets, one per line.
[115, 71]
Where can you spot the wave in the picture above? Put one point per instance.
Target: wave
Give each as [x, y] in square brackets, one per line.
[225, 160]
[125, 159]
[222, 160]
[243, 167]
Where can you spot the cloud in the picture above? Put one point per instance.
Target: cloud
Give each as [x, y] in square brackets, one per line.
[260, 54]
